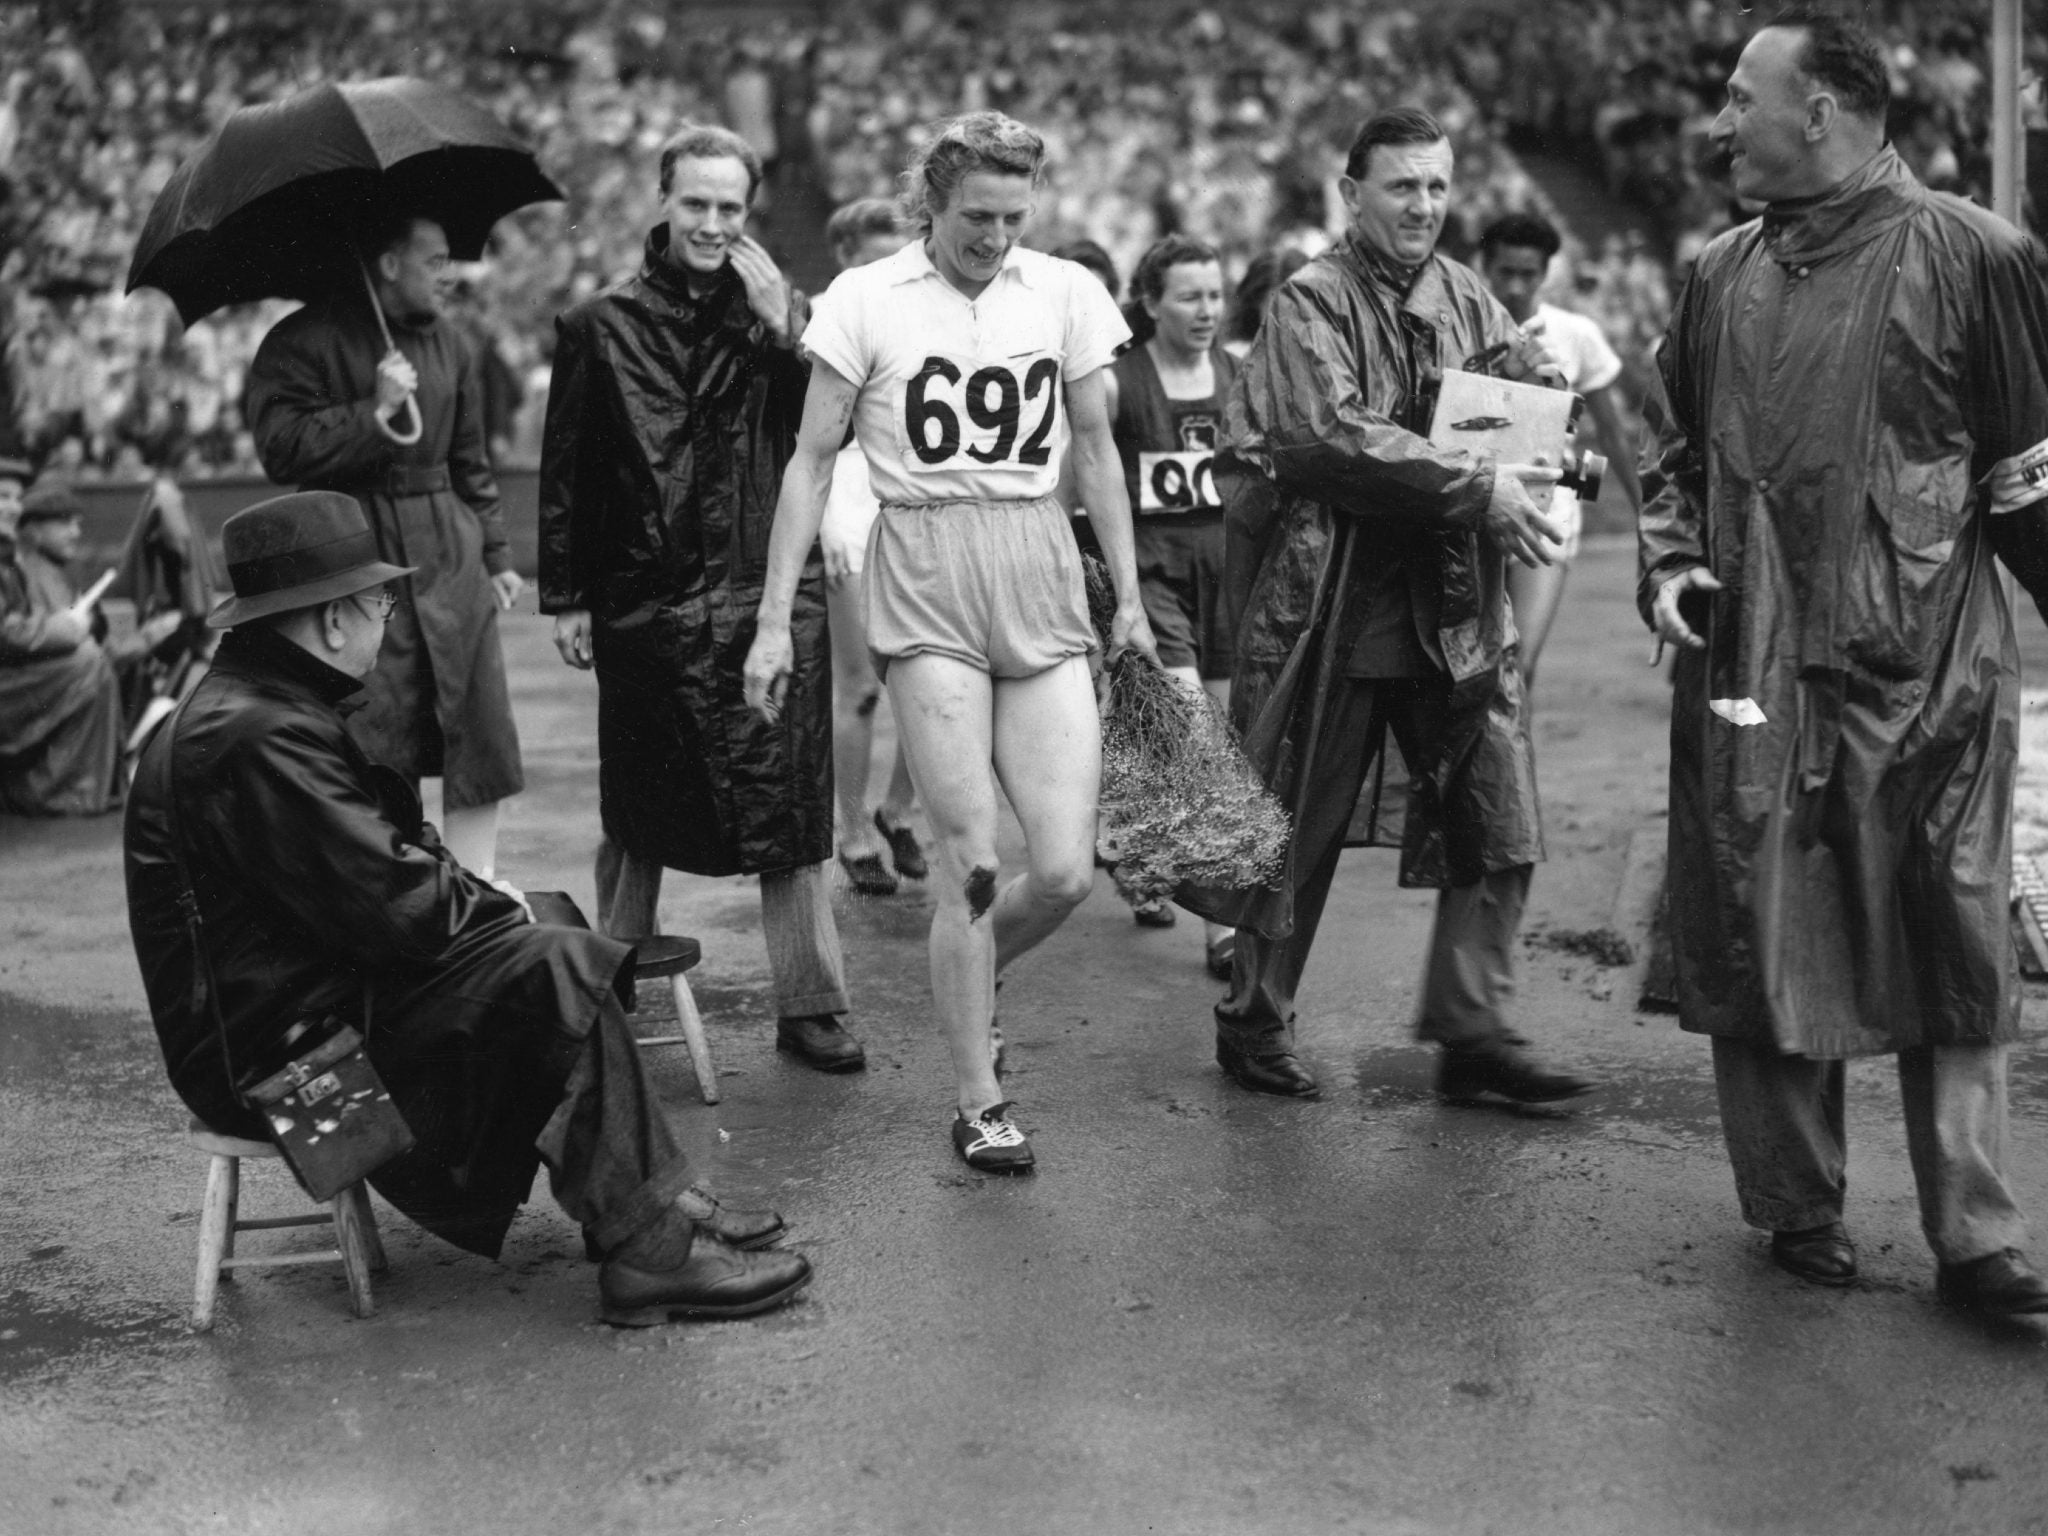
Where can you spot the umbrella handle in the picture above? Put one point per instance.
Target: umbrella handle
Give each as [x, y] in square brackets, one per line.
[412, 434]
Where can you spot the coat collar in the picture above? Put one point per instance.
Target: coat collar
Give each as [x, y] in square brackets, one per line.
[914, 263]
[1420, 291]
[255, 652]
[1872, 202]
[667, 279]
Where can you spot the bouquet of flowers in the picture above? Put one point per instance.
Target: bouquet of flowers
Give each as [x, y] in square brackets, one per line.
[1180, 801]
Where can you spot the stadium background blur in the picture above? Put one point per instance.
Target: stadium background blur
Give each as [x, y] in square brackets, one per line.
[1228, 121]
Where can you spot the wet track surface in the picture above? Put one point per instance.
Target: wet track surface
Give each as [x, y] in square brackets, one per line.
[1206, 1312]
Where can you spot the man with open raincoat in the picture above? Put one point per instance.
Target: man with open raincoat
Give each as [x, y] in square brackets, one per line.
[672, 410]
[1856, 391]
[1379, 606]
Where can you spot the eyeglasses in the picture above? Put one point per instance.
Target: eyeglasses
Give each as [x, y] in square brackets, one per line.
[384, 598]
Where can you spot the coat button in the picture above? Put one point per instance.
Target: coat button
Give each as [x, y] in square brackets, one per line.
[1800, 273]
[1763, 485]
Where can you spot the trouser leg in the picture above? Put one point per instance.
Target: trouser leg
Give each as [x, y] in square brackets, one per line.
[628, 893]
[1469, 979]
[1955, 1111]
[1258, 1014]
[803, 942]
[613, 1160]
[1781, 1117]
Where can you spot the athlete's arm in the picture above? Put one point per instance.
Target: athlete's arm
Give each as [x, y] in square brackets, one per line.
[1099, 477]
[828, 407]
[1612, 436]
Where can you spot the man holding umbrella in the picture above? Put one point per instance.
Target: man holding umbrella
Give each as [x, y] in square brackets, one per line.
[329, 402]
[366, 390]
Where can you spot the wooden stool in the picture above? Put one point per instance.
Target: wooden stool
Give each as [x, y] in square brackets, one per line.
[662, 954]
[357, 1247]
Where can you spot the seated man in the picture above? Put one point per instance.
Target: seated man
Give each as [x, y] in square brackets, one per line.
[60, 699]
[320, 891]
[47, 538]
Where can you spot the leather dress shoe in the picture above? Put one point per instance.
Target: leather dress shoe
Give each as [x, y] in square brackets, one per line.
[742, 1229]
[2002, 1284]
[819, 1040]
[1272, 1071]
[1822, 1255]
[715, 1280]
[1503, 1067]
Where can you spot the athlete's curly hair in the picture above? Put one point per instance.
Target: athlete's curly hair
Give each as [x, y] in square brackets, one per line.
[960, 146]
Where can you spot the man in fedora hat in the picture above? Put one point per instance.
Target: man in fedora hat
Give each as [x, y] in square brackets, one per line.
[320, 892]
[60, 697]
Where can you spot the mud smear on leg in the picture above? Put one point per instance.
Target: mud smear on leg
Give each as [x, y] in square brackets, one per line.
[981, 892]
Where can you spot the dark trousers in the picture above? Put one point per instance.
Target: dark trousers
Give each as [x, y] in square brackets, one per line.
[1469, 980]
[613, 1161]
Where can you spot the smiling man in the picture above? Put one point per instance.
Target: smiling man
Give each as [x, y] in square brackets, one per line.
[1380, 607]
[1858, 402]
[674, 406]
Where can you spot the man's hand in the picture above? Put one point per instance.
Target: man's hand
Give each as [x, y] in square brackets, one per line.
[506, 587]
[770, 661]
[572, 637]
[1512, 520]
[1131, 630]
[767, 291]
[1664, 617]
[397, 380]
[839, 555]
[1530, 358]
[515, 893]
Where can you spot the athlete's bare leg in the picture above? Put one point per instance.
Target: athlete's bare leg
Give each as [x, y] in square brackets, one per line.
[856, 693]
[962, 732]
[1535, 593]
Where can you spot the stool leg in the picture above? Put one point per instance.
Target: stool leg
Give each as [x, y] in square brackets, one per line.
[227, 1243]
[693, 1036]
[216, 1220]
[374, 1239]
[354, 1244]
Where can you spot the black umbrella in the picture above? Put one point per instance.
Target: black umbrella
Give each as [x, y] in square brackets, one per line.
[271, 207]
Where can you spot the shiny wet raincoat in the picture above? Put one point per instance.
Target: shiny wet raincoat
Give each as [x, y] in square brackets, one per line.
[318, 886]
[438, 704]
[1840, 377]
[1327, 430]
[669, 421]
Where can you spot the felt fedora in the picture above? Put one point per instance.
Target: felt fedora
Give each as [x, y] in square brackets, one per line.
[297, 551]
[18, 470]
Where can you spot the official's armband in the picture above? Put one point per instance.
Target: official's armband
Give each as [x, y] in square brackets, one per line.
[2019, 481]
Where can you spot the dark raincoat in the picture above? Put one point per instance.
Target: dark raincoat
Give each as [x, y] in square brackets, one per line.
[1839, 377]
[1327, 425]
[438, 704]
[669, 421]
[317, 884]
[60, 702]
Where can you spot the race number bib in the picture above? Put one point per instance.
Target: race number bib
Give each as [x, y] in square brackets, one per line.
[1176, 482]
[979, 416]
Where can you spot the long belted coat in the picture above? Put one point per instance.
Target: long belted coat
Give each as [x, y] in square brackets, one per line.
[1839, 379]
[438, 703]
[319, 888]
[60, 703]
[1327, 427]
[670, 418]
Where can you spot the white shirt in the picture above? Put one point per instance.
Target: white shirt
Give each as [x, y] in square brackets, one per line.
[1589, 363]
[961, 398]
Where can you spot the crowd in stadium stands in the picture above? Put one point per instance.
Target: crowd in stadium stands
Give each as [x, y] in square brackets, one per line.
[1228, 122]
